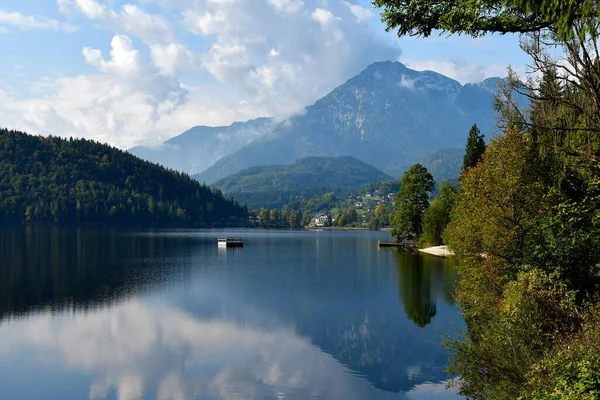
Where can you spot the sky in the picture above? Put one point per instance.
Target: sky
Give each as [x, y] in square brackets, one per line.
[130, 72]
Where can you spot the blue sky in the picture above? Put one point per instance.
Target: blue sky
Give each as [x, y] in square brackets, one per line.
[133, 72]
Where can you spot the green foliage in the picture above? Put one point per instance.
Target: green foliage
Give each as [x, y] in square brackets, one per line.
[533, 212]
[526, 224]
[412, 201]
[58, 181]
[474, 149]
[496, 356]
[571, 371]
[275, 185]
[437, 217]
[391, 186]
[381, 217]
[480, 17]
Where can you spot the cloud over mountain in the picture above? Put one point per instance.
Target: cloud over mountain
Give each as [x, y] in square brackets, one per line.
[175, 64]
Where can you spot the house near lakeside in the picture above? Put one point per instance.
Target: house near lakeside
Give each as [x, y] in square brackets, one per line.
[319, 221]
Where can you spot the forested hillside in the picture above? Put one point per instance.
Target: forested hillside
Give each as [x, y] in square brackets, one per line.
[275, 185]
[59, 181]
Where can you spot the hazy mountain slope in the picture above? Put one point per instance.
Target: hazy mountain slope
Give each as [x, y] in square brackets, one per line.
[198, 148]
[389, 116]
[444, 164]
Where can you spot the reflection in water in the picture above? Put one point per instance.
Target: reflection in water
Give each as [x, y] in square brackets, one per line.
[163, 353]
[169, 315]
[53, 268]
[421, 279]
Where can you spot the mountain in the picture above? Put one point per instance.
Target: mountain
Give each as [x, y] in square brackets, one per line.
[198, 148]
[80, 182]
[272, 186]
[388, 116]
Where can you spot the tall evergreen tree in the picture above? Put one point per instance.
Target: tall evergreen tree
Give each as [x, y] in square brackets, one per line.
[474, 150]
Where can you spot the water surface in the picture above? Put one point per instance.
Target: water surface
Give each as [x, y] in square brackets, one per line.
[108, 314]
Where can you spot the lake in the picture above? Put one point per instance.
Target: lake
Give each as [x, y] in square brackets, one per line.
[113, 314]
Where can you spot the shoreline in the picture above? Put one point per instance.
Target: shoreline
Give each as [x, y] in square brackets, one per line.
[336, 228]
[345, 228]
[440, 251]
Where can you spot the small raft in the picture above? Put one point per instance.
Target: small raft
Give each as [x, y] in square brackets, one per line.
[230, 242]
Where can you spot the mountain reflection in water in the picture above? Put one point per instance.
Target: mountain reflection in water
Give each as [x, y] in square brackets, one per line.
[112, 314]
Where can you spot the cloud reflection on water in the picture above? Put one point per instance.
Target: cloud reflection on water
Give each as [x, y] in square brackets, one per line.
[146, 350]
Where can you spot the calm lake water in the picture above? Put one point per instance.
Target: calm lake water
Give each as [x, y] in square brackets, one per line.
[106, 314]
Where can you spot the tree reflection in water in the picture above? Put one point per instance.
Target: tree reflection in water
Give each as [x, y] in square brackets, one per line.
[78, 269]
[421, 280]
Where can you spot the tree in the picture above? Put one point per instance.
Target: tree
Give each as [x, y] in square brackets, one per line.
[526, 225]
[342, 219]
[474, 149]
[379, 217]
[437, 216]
[351, 216]
[412, 201]
[480, 17]
[567, 28]
[275, 217]
[264, 217]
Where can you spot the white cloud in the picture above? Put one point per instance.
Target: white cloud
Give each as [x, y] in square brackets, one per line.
[125, 58]
[322, 16]
[287, 6]
[130, 19]
[173, 57]
[27, 22]
[148, 27]
[361, 13]
[122, 104]
[91, 8]
[406, 83]
[277, 55]
[249, 59]
[205, 23]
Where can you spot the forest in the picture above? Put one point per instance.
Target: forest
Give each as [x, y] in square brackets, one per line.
[525, 222]
[274, 186]
[55, 181]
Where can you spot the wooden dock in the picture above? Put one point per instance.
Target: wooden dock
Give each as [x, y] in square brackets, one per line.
[402, 245]
[230, 242]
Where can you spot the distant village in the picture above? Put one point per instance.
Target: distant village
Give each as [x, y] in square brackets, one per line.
[363, 204]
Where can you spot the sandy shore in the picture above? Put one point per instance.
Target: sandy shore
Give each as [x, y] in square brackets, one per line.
[442, 251]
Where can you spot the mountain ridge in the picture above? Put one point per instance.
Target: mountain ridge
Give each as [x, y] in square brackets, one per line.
[199, 147]
[389, 116]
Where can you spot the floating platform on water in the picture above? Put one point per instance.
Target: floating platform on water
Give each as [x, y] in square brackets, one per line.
[401, 245]
[230, 242]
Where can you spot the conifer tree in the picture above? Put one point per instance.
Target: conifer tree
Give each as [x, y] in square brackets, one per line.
[474, 150]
